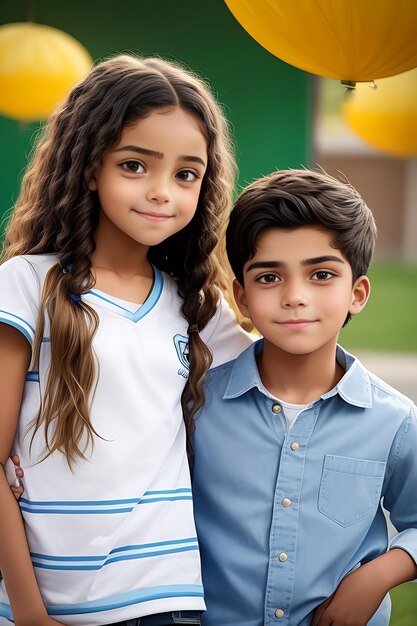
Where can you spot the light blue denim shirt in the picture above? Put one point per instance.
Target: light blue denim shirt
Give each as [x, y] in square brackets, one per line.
[282, 516]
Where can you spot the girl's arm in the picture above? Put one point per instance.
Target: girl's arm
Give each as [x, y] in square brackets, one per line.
[15, 562]
[223, 335]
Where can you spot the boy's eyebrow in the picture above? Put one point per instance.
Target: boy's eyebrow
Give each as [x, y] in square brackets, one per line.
[281, 264]
[159, 155]
[322, 259]
[263, 264]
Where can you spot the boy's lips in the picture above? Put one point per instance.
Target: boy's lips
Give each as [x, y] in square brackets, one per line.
[297, 323]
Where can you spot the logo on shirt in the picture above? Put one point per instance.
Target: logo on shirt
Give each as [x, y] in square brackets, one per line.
[183, 353]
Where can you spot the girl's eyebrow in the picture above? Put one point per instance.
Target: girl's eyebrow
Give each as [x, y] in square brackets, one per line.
[139, 150]
[159, 155]
[192, 159]
[281, 264]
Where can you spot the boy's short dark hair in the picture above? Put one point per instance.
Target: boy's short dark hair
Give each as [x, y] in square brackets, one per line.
[294, 198]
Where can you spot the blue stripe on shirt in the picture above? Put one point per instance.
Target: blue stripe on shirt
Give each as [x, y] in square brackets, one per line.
[138, 596]
[125, 557]
[101, 507]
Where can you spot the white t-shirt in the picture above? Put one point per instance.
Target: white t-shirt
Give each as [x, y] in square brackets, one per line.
[292, 411]
[114, 539]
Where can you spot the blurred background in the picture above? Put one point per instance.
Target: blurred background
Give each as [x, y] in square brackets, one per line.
[281, 117]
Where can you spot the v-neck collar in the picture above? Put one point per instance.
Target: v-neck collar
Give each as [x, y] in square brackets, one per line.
[96, 296]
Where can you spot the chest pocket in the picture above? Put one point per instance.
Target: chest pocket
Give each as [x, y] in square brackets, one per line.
[350, 488]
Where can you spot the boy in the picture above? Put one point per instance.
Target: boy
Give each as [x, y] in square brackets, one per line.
[297, 443]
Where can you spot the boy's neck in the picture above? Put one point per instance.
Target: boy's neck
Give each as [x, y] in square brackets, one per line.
[299, 378]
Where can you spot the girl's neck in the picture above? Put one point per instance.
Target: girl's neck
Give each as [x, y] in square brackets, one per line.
[126, 267]
[123, 281]
[117, 252]
[121, 268]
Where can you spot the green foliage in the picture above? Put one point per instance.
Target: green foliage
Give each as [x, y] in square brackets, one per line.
[404, 605]
[389, 321]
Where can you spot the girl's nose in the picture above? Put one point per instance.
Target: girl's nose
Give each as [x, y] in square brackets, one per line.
[158, 191]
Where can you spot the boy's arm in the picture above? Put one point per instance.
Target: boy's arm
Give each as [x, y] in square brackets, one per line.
[360, 593]
[15, 562]
[400, 498]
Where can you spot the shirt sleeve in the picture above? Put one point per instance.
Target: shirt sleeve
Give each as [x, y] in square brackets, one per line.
[224, 336]
[19, 296]
[400, 498]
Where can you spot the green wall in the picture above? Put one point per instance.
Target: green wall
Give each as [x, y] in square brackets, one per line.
[268, 102]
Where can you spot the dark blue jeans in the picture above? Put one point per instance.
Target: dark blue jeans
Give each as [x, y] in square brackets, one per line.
[164, 619]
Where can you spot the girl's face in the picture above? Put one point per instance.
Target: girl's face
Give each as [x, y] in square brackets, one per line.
[149, 183]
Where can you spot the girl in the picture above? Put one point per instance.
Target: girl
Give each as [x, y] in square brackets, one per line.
[108, 281]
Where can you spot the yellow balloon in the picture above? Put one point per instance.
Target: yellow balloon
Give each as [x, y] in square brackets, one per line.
[351, 40]
[38, 66]
[386, 117]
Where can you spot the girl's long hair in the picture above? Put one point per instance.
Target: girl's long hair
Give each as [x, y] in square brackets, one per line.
[57, 213]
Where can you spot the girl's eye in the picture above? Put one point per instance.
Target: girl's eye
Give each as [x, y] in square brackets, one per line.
[189, 176]
[268, 278]
[322, 275]
[135, 167]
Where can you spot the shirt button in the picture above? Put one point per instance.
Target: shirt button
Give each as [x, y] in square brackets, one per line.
[294, 446]
[276, 408]
[286, 502]
[283, 557]
[279, 613]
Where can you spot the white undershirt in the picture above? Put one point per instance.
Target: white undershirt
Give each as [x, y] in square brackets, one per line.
[292, 411]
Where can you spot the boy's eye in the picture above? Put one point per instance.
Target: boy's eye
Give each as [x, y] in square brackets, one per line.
[188, 176]
[322, 275]
[268, 278]
[135, 167]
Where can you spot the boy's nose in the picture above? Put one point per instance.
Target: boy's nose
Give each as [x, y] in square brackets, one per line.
[293, 295]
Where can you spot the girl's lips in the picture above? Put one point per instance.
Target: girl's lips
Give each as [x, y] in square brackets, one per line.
[153, 217]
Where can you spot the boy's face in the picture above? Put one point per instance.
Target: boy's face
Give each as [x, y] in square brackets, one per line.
[298, 289]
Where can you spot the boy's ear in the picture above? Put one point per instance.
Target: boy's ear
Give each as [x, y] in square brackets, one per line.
[240, 298]
[360, 294]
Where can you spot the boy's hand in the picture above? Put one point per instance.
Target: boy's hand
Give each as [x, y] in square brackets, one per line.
[14, 473]
[360, 593]
[354, 602]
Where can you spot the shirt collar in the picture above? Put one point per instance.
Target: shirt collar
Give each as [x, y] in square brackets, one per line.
[245, 374]
[354, 387]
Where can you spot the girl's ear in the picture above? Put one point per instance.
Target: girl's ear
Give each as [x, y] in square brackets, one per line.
[240, 298]
[360, 294]
[92, 184]
[90, 180]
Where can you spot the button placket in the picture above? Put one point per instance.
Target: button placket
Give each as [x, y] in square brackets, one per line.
[289, 482]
